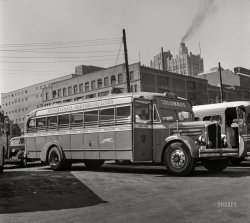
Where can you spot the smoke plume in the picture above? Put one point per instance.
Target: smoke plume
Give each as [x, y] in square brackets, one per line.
[208, 8]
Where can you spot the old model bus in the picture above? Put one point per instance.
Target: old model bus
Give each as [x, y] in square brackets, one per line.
[139, 126]
[234, 119]
[4, 138]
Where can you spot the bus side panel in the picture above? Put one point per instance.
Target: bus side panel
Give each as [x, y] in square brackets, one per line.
[143, 144]
[40, 143]
[107, 145]
[64, 142]
[124, 145]
[30, 147]
[91, 146]
[77, 146]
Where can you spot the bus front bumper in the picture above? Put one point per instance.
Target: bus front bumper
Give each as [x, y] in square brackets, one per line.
[218, 152]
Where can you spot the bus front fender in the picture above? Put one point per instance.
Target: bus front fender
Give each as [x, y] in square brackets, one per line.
[46, 149]
[190, 143]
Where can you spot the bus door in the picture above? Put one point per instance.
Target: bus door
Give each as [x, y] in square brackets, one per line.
[242, 130]
[142, 130]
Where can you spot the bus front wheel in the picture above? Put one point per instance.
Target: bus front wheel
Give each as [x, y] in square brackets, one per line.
[55, 159]
[215, 165]
[178, 159]
[93, 164]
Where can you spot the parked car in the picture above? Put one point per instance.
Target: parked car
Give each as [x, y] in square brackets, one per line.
[16, 151]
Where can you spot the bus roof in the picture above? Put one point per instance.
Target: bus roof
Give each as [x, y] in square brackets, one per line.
[219, 106]
[142, 95]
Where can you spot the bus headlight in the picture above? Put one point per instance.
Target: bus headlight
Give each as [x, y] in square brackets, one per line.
[202, 139]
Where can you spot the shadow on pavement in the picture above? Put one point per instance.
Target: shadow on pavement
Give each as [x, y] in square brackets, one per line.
[24, 191]
[161, 171]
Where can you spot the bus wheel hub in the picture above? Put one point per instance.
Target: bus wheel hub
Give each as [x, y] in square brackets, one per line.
[178, 158]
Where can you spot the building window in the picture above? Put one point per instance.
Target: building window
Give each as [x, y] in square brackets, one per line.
[120, 78]
[47, 96]
[87, 86]
[112, 80]
[99, 83]
[75, 89]
[93, 86]
[106, 81]
[81, 87]
[59, 93]
[70, 90]
[64, 92]
[54, 94]
[91, 96]
[131, 75]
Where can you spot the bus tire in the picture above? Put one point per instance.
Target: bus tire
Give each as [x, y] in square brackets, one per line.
[178, 160]
[215, 165]
[55, 159]
[93, 164]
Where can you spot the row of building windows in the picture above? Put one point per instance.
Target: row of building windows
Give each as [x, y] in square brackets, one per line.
[17, 110]
[15, 94]
[16, 101]
[90, 85]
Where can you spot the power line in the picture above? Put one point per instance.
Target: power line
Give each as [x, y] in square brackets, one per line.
[59, 43]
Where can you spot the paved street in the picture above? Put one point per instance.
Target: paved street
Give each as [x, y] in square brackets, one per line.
[135, 193]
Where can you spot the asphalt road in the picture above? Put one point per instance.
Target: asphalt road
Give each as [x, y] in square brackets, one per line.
[134, 193]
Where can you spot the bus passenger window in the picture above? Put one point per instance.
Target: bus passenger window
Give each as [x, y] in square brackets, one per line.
[213, 118]
[142, 111]
[52, 122]
[31, 126]
[156, 115]
[63, 121]
[41, 123]
[76, 119]
[123, 115]
[107, 116]
[90, 118]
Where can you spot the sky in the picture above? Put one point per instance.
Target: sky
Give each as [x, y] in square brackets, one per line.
[45, 39]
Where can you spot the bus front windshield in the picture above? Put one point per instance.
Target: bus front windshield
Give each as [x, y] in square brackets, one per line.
[169, 115]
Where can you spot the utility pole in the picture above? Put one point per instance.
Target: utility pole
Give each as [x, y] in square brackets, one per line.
[221, 87]
[162, 59]
[126, 59]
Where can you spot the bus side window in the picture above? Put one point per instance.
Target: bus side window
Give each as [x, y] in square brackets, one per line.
[107, 116]
[76, 119]
[31, 126]
[156, 114]
[123, 115]
[142, 112]
[196, 118]
[41, 123]
[91, 118]
[213, 118]
[63, 121]
[52, 122]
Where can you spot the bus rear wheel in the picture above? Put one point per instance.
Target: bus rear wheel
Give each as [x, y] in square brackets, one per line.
[93, 164]
[55, 159]
[215, 165]
[178, 159]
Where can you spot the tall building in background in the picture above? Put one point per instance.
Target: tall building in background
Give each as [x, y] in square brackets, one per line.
[184, 63]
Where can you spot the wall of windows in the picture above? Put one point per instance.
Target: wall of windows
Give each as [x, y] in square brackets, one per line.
[92, 118]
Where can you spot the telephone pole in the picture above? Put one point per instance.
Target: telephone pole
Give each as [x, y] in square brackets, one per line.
[126, 59]
[221, 87]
